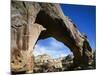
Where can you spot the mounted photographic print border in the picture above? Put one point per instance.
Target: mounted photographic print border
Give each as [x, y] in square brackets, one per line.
[68, 24]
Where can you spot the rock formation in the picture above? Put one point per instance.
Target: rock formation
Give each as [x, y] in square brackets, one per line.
[46, 63]
[31, 21]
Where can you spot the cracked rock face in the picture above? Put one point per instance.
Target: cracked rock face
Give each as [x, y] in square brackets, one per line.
[31, 21]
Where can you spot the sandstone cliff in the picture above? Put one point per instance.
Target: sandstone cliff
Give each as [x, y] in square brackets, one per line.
[31, 21]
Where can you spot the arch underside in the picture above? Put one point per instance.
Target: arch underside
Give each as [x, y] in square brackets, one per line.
[56, 28]
[27, 27]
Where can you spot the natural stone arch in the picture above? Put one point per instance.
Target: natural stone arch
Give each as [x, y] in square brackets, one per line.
[56, 28]
[29, 17]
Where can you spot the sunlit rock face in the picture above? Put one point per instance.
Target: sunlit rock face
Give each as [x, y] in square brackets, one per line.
[31, 21]
[24, 34]
[42, 58]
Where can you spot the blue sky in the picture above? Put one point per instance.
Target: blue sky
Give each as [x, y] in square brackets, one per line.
[51, 47]
[84, 18]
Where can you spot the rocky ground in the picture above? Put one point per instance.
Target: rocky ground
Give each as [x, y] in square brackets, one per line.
[67, 63]
[57, 65]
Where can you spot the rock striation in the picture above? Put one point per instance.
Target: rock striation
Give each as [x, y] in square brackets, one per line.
[32, 21]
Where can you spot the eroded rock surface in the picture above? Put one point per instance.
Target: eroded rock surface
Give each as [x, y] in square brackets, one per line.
[28, 22]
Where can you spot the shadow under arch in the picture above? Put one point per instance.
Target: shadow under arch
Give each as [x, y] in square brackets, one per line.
[56, 28]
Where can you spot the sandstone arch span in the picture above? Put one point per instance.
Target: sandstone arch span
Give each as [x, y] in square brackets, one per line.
[32, 21]
[57, 28]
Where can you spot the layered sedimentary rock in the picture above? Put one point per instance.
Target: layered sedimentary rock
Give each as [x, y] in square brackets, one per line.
[31, 21]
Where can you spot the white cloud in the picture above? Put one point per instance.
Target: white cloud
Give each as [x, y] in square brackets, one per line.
[39, 50]
[56, 44]
[62, 55]
[54, 48]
